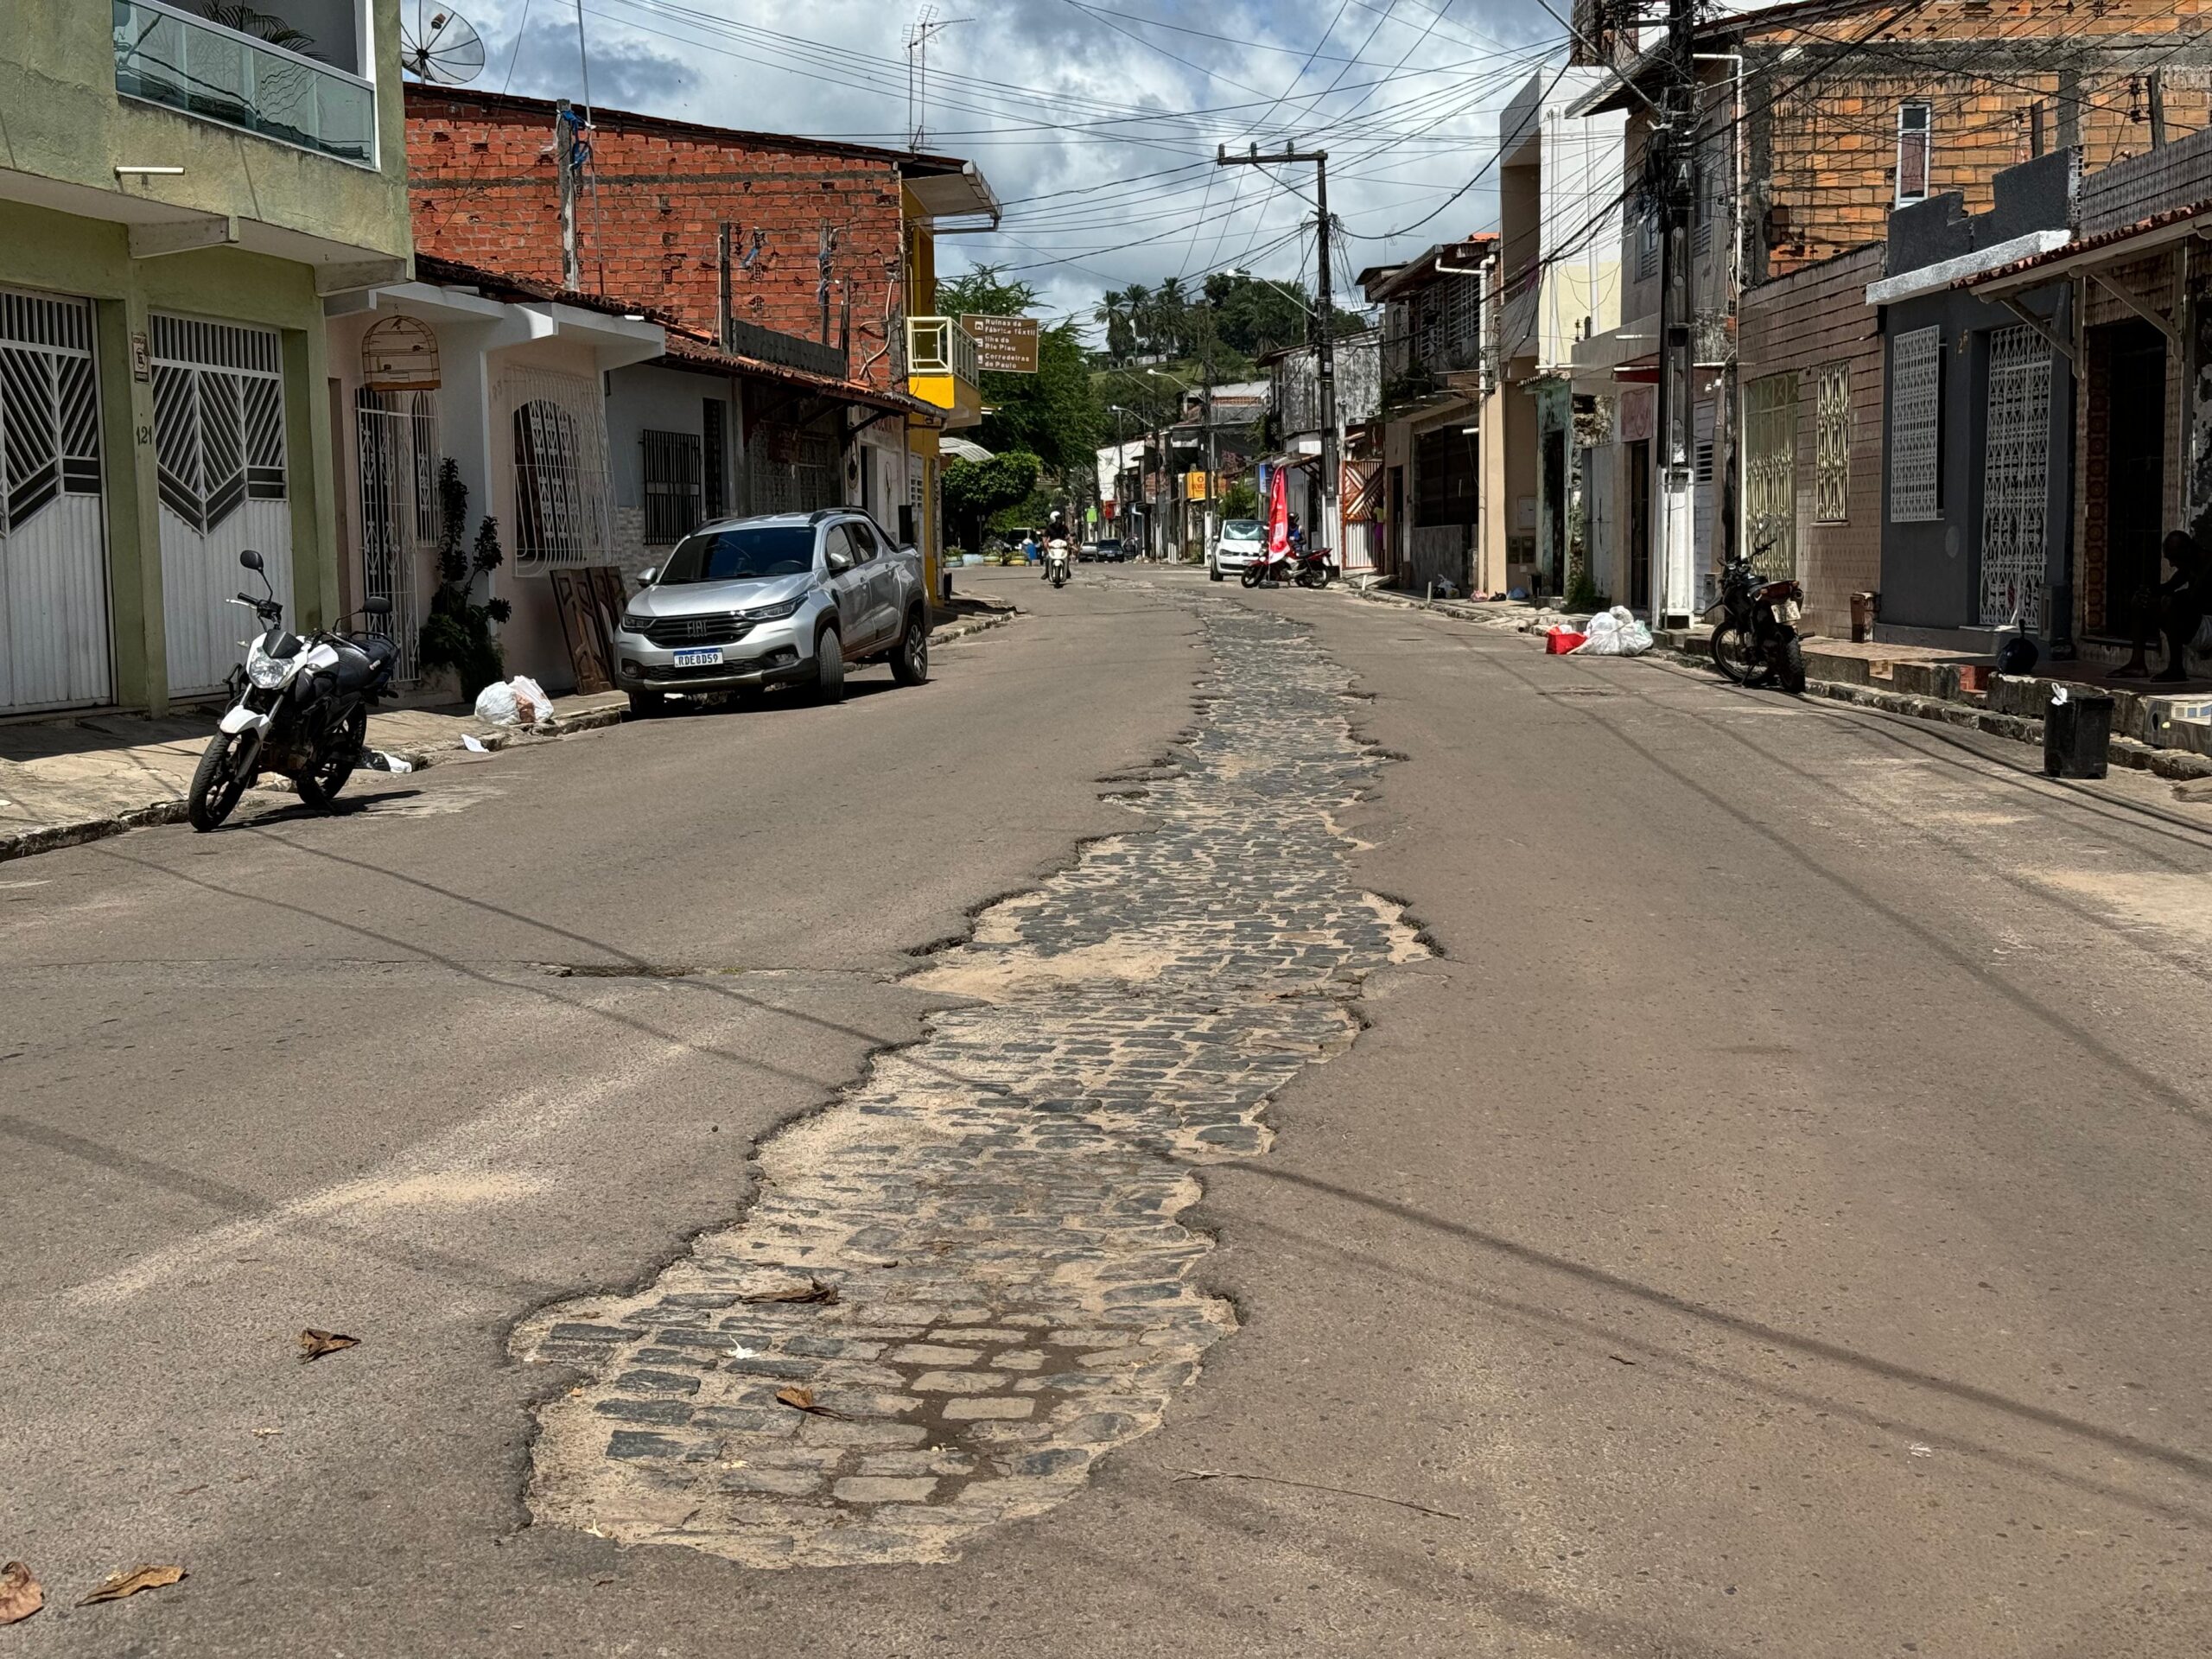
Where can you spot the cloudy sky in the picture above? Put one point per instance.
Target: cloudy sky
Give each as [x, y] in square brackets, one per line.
[1095, 120]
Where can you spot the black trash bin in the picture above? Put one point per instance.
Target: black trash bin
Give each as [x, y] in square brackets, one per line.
[2077, 730]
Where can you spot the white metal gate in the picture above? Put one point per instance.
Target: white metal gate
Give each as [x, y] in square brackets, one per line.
[397, 438]
[218, 447]
[54, 622]
[2016, 479]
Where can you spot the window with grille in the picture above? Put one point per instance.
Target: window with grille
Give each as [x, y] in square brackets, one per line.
[563, 510]
[1831, 444]
[1916, 426]
[1916, 138]
[673, 501]
[49, 406]
[1770, 471]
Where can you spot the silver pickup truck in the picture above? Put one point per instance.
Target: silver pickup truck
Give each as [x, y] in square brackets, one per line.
[743, 604]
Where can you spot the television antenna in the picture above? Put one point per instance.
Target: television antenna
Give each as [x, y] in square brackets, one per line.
[927, 25]
[442, 47]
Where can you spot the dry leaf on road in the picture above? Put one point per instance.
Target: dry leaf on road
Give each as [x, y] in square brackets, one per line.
[800, 1399]
[19, 1594]
[315, 1344]
[117, 1586]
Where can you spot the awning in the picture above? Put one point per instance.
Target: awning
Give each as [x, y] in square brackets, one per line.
[2106, 247]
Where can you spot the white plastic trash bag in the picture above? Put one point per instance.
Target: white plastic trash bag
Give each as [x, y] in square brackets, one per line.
[521, 702]
[532, 704]
[496, 705]
[1615, 634]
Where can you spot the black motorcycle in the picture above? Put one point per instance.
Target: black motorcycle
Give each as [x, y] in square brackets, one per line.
[301, 708]
[1755, 640]
[1314, 567]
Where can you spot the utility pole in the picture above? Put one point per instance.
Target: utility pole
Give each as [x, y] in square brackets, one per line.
[1321, 324]
[723, 310]
[1672, 182]
[1212, 451]
[564, 163]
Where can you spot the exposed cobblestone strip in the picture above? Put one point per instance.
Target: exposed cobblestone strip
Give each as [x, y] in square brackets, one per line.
[994, 1211]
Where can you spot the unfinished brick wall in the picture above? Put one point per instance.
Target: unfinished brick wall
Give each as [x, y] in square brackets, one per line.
[1801, 323]
[1821, 106]
[2129, 192]
[484, 189]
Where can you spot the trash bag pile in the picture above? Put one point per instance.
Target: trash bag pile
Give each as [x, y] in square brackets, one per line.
[1614, 633]
[518, 702]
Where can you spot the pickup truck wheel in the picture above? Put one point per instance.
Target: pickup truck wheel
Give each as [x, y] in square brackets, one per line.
[828, 667]
[648, 705]
[910, 662]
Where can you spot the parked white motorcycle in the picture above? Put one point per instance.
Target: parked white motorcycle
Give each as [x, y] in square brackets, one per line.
[302, 709]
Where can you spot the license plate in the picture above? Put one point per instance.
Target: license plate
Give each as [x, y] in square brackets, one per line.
[700, 657]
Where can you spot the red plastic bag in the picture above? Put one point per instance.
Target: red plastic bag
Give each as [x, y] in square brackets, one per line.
[1560, 641]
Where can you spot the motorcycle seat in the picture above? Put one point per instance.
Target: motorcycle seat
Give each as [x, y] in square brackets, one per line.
[359, 664]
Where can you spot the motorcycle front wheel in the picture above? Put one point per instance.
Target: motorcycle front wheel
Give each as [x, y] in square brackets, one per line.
[319, 785]
[1734, 655]
[216, 783]
[1250, 575]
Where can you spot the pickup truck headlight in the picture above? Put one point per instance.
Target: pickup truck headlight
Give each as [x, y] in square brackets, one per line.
[633, 624]
[775, 612]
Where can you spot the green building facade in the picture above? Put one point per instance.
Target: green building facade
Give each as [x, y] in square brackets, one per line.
[178, 198]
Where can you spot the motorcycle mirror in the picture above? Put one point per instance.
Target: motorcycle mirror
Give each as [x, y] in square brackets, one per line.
[250, 559]
[379, 606]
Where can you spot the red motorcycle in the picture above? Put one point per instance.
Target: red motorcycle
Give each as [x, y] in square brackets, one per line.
[1269, 567]
[1314, 567]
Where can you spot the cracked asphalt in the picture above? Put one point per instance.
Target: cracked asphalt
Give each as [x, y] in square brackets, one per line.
[1774, 1223]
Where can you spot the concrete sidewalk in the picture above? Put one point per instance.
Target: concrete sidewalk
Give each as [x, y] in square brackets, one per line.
[68, 780]
[63, 782]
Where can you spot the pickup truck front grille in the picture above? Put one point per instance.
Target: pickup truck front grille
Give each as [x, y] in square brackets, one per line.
[671, 632]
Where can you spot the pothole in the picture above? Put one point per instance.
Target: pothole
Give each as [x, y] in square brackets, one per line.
[965, 1281]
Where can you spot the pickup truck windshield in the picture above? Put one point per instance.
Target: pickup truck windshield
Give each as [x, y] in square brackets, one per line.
[748, 552]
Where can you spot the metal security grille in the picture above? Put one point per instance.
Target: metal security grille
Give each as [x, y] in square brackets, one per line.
[397, 441]
[2016, 479]
[218, 418]
[1916, 424]
[715, 482]
[672, 495]
[54, 626]
[1831, 444]
[1770, 472]
[795, 473]
[220, 463]
[563, 509]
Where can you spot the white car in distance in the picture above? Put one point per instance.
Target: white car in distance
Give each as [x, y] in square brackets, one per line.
[1242, 541]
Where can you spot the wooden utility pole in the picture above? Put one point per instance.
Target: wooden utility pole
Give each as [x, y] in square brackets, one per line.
[1320, 324]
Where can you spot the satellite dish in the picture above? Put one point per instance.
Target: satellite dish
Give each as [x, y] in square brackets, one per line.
[442, 47]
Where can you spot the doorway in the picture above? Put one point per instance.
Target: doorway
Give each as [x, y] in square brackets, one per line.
[2135, 416]
[1639, 524]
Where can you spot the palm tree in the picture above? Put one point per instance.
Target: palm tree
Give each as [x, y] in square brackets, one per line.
[1121, 337]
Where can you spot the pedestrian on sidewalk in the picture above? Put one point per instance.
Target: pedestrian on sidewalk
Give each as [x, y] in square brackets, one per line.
[2176, 609]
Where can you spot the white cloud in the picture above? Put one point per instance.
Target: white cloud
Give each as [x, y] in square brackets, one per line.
[1096, 122]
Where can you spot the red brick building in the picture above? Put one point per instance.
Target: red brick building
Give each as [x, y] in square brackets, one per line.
[830, 246]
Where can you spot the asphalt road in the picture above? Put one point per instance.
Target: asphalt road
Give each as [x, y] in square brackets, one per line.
[1775, 1222]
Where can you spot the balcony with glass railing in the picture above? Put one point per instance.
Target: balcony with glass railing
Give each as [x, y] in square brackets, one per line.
[274, 87]
[942, 368]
